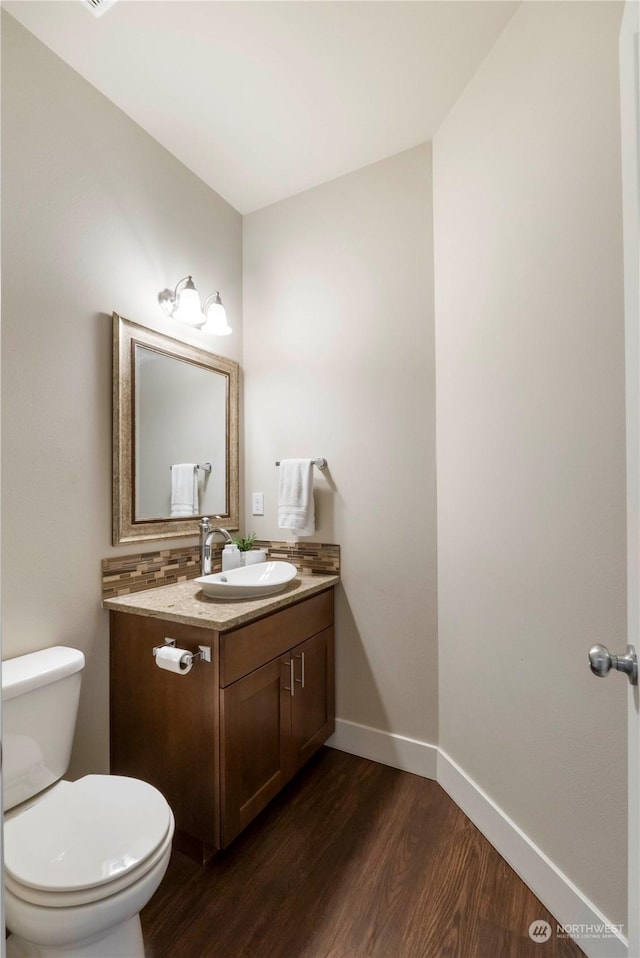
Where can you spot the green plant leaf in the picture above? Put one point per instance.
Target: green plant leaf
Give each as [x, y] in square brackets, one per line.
[244, 543]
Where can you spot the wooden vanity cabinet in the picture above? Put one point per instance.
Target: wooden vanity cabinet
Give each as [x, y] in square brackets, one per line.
[223, 740]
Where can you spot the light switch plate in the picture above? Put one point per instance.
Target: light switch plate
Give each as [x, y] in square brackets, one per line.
[257, 503]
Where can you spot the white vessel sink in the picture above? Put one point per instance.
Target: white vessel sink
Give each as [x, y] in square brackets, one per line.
[251, 581]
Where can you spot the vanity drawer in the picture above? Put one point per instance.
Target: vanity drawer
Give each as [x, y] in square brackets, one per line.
[247, 648]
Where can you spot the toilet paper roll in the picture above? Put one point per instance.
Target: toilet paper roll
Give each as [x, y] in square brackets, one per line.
[174, 660]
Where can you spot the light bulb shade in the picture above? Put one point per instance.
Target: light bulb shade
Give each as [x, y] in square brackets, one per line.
[216, 323]
[188, 310]
[184, 305]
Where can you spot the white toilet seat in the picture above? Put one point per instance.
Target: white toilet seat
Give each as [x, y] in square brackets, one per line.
[86, 840]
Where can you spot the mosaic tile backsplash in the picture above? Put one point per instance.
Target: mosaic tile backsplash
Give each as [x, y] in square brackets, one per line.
[122, 575]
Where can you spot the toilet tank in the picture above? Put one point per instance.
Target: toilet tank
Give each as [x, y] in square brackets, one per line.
[40, 693]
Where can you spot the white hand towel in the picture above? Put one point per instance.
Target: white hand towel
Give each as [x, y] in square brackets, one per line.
[184, 490]
[295, 497]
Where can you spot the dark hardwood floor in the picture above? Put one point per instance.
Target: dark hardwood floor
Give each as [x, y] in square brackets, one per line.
[352, 860]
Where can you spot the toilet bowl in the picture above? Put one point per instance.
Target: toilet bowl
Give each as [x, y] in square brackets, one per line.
[81, 858]
[80, 863]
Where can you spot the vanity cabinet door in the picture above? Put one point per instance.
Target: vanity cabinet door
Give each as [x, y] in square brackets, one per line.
[312, 705]
[255, 723]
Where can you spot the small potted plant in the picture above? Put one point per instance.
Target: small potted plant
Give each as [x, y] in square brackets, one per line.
[248, 555]
[244, 543]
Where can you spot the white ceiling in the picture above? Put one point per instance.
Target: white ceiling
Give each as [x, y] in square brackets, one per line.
[265, 99]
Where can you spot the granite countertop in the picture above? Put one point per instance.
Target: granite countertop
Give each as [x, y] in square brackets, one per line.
[185, 602]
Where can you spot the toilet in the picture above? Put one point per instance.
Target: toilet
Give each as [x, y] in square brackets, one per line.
[81, 858]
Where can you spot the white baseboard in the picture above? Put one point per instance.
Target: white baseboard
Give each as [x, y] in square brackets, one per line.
[407, 754]
[590, 929]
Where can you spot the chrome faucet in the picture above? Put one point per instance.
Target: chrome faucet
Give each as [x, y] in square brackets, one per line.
[207, 535]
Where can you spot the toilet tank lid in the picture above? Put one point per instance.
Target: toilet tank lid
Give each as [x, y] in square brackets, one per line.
[31, 671]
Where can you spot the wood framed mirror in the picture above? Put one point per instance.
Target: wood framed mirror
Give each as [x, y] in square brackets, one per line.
[173, 404]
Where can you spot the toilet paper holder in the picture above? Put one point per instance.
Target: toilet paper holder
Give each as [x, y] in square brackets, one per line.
[204, 654]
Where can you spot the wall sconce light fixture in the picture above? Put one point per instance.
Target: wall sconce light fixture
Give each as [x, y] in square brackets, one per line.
[184, 305]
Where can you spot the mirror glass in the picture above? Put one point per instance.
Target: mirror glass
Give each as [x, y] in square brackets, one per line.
[171, 426]
[175, 421]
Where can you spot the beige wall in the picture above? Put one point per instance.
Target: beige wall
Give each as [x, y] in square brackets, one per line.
[531, 455]
[96, 217]
[338, 362]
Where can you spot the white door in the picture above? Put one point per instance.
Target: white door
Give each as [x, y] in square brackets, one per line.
[601, 660]
[630, 117]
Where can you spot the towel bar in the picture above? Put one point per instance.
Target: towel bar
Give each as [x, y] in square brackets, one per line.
[205, 466]
[321, 462]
